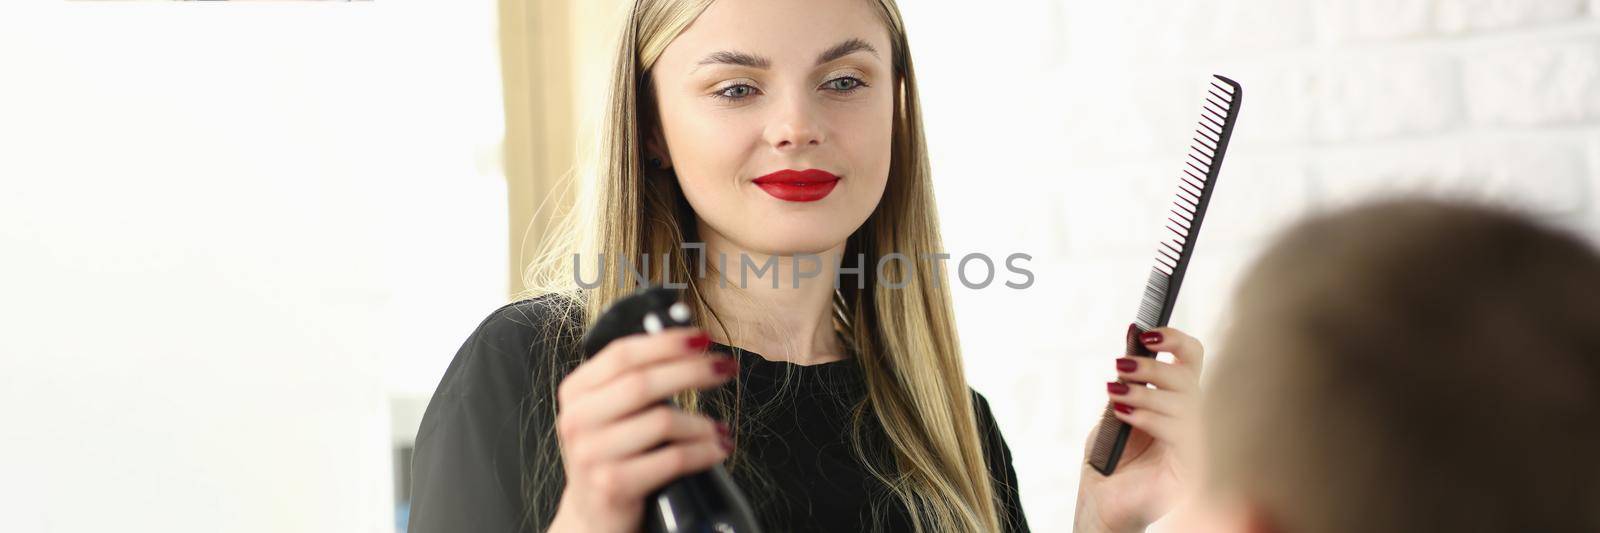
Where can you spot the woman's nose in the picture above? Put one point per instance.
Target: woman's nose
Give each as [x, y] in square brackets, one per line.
[794, 125]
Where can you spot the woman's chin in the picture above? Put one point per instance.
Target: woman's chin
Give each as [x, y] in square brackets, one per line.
[768, 232]
[791, 239]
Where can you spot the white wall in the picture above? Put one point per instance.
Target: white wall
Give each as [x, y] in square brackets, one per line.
[1057, 128]
[229, 234]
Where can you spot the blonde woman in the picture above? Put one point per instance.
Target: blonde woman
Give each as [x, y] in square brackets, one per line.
[768, 155]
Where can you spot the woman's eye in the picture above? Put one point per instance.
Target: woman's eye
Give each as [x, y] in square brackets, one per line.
[732, 92]
[849, 84]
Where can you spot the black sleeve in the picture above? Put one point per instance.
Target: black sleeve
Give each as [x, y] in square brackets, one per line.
[471, 445]
[1003, 474]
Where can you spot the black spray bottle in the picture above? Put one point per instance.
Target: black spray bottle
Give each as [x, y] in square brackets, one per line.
[703, 502]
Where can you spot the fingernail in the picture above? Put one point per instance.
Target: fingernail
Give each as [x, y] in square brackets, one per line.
[1150, 337]
[1124, 409]
[1116, 388]
[1127, 364]
[700, 341]
[727, 443]
[722, 429]
[724, 366]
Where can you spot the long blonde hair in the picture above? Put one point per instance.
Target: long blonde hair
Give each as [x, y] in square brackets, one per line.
[903, 338]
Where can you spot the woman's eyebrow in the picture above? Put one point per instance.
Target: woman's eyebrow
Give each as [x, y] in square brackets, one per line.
[734, 57]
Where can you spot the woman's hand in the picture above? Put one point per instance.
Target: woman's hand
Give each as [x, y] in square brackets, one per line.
[619, 442]
[1149, 477]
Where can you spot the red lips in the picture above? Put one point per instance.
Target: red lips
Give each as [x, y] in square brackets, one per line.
[798, 185]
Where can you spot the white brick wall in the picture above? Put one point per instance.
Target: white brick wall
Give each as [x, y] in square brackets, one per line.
[1075, 114]
[1535, 84]
[1468, 15]
[1358, 20]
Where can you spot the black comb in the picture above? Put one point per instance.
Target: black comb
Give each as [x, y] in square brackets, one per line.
[706, 501]
[1195, 186]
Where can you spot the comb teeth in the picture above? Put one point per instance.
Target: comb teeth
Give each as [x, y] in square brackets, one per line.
[1194, 184]
[1103, 456]
[1155, 292]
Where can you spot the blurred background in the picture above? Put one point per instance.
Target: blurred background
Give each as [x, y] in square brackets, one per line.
[242, 240]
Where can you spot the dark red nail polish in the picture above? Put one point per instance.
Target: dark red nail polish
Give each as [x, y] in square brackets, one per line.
[722, 429]
[1116, 388]
[1124, 409]
[724, 366]
[1150, 337]
[727, 444]
[700, 341]
[1126, 364]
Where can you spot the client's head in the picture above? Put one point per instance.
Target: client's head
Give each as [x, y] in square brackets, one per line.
[1410, 366]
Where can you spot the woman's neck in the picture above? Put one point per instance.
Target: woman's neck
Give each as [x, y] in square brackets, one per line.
[791, 322]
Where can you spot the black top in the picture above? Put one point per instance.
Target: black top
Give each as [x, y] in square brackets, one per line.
[468, 457]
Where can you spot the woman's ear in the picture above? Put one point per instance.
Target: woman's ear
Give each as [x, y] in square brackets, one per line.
[655, 140]
[655, 149]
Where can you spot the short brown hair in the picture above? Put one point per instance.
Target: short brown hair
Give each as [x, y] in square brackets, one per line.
[1414, 366]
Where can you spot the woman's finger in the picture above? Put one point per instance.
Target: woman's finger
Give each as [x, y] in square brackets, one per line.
[628, 353]
[1165, 376]
[646, 430]
[1163, 427]
[1141, 397]
[639, 388]
[1185, 350]
[638, 477]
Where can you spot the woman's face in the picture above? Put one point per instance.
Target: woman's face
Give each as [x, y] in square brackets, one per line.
[754, 87]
